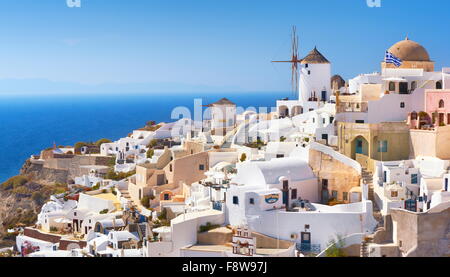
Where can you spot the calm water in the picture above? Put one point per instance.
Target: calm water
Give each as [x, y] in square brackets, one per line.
[29, 124]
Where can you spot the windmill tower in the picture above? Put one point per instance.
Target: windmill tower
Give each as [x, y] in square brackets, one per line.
[294, 61]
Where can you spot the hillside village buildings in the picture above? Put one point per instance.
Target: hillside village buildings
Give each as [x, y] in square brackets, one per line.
[346, 162]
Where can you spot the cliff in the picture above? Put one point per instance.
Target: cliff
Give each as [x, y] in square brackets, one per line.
[22, 201]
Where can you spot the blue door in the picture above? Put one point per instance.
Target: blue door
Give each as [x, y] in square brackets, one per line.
[411, 205]
[359, 146]
[324, 96]
[306, 241]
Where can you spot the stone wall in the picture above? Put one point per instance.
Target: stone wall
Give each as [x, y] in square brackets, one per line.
[341, 177]
[422, 234]
[60, 170]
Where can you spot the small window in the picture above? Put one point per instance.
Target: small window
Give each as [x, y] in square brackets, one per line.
[309, 72]
[402, 105]
[252, 201]
[171, 169]
[314, 120]
[235, 200]
[74, 214]
[334, 194]
[394, 193]
[383, 146]
[345, 196]
[439, 85]
[331, 119]
[391, 86]
[413, 178]
[306, 65]
[201, 167]
[280, 156]
[324, 120]
[441, 104]
[359, 121]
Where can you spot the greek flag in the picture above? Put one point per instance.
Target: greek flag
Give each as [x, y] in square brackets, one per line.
[390, 58]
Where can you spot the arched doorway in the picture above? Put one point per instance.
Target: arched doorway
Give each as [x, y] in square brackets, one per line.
[296, 110]
[283, 111]
[359, 146]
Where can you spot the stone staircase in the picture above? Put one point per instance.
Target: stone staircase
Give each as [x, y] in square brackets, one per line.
[364, 253]
[367, 177]
[125, 194]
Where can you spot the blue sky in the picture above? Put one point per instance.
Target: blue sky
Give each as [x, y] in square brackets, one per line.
[209, 45]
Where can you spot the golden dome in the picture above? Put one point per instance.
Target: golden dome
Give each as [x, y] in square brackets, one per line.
[408, 50]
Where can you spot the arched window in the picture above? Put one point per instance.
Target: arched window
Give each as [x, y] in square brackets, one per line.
[413, 116]
[391, 86]
[439, 85]
[413, 85]
[441, 104]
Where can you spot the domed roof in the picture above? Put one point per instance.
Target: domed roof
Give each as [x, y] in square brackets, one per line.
[408, 50]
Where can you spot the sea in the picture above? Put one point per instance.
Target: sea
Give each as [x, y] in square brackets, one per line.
[31, 123]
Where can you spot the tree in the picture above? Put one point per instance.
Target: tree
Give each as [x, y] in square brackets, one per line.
[243, 157]
[150, 153]
[101, 141]
[151, 123]
[152, 143]
[78, 146]
[335, 247]
[145, 201]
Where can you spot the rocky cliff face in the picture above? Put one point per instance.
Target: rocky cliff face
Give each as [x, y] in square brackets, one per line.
[23, 196]
[20, 206]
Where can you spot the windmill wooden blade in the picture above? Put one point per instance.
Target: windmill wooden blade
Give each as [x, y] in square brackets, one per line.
[294, 61]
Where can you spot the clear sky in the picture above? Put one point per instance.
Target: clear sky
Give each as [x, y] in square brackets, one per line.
[216, 45]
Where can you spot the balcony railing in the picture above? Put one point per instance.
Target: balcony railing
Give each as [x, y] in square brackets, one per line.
[308, 248]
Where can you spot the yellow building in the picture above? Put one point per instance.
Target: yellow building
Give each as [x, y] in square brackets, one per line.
[387, 141]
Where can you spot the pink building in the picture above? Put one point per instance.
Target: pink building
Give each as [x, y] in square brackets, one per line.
[436, 110]
[437, 106]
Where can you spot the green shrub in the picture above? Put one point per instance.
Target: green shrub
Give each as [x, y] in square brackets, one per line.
[112, 175]
[105, 211]
[53, 229]
[101, 141]
[152, 143]
[96, 187]
[163, 215]
[207, 227]
[282, 138]
[78, 146]
[21, 190]
[145, 201]
[243, 157]
[335, 248]
[151, 123]
[15, 182]
[150, 153]
[38, 198]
